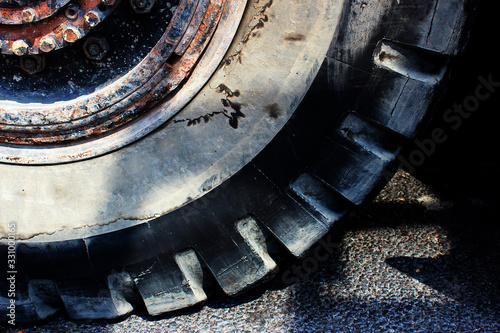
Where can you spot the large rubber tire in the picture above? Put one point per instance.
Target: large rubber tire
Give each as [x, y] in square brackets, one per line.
[199, 200]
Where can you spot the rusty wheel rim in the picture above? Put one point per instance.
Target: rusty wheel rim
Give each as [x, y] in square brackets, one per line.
[126, 108]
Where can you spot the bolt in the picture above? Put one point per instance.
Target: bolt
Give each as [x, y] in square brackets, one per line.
[71, 33]
[33, 64]
[28, 15]
[96, 48]
[142, 6]
[20, 47]
[71, 12]
[92, 18]
[47, 43]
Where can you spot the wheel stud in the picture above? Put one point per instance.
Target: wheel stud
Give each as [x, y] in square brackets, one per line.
[20, 47]
[71, 34]
[32, 64]
[96, 48]
[28, 15]
[92, 18]
[71, 12]
[47, 43]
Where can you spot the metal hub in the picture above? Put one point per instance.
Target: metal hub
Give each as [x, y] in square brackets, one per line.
[99, 112]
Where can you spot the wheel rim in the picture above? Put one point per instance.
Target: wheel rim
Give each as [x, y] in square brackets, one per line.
[119, 112]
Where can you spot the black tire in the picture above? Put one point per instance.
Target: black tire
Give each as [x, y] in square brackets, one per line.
[371, 85]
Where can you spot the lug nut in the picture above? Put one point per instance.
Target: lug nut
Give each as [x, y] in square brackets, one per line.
[71, 33]
[92, 18]
[96, 48]
[32, 64]
[142, 6]
[47, 43]
[20, 47]
[28, 15]
[71, 12]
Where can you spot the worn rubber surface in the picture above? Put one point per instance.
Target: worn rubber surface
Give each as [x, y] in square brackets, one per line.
[163, 221]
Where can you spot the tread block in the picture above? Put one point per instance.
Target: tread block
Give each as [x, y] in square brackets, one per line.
[436, 25]
[294, 224]
[413, 62]
[162, 285]
[369, 136]
[35, 299]
[318, 196]
[121, 287]
[84, 296]
[254, 237]
[23, 309]
[172, 284]
[405, 113]
[191, 268]
[233, 262]
[349, 169]
[129, 258]
[83, 300]
[45, 298]
[387, 97]
[295, 227]
[213, 235]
